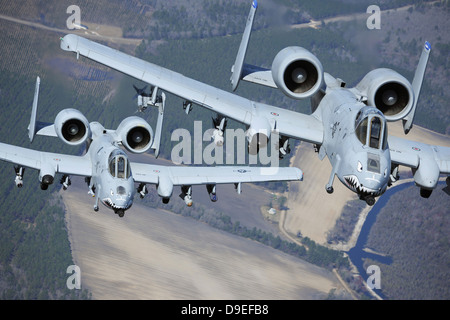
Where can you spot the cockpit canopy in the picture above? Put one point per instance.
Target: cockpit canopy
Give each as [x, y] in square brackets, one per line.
[118, 165]
[371, 129]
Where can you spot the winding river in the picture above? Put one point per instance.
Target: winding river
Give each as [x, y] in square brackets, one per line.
[357, 254]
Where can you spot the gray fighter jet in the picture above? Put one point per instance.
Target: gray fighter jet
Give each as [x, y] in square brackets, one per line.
[347, 125]
[109, 173]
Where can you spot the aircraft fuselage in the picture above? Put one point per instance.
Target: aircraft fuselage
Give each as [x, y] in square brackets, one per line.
[355, 141]
[112, 181]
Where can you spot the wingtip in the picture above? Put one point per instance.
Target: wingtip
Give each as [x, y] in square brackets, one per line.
[427, 46]
[300, 174]
[69, 42]
[255, 4]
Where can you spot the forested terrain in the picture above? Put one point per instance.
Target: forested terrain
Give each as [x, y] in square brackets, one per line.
[198, 38]
[346, 222]
[335, 44]
[35, 250]
[415, 234]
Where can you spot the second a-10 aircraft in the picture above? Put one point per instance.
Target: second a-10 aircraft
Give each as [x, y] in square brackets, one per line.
[110, 175]
[347, 125]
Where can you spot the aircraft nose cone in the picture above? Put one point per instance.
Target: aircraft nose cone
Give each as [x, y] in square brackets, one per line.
[122, 203]
[118, 203]
[365, 185]
[370, 184]
[376, 186]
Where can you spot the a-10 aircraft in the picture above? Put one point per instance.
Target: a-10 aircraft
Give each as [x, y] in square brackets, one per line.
[347, 125]
[109, 173]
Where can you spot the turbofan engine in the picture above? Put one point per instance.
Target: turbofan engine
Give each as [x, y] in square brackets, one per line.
[297, 72]
[72, 127]
[388, 91]
[46, 175]
[135, 134]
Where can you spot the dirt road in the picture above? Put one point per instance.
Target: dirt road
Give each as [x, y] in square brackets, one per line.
[86, 33]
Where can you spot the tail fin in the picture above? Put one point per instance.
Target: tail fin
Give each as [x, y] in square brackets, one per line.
[157, 141]
[239, 63]
[36, 127]
[32, 125]
[417, 85]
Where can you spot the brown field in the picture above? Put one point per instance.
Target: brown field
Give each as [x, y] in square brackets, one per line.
[154, 254]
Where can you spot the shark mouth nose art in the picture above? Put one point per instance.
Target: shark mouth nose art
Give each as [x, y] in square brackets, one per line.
[352, 182]
[108, 202]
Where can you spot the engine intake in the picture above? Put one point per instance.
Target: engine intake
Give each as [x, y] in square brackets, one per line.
[136, 134]
[389, 92]
[72, 127]
[297, 72]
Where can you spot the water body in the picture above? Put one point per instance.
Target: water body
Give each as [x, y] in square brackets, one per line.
[357, 254]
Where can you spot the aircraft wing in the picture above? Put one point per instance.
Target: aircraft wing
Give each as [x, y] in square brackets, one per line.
[60, 163]
[414, 154]
[288, 123]
[180, 175]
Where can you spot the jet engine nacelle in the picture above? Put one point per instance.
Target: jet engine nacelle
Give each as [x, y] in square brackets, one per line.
[426, 176]
[258, 134]
[164, 187]
[72, 127]
[135, 134]
[46, 176]
[297, 72]
[388, 91]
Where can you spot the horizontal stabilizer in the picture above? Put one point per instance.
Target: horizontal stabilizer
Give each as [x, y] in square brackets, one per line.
[157, 141]
[258, 75]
